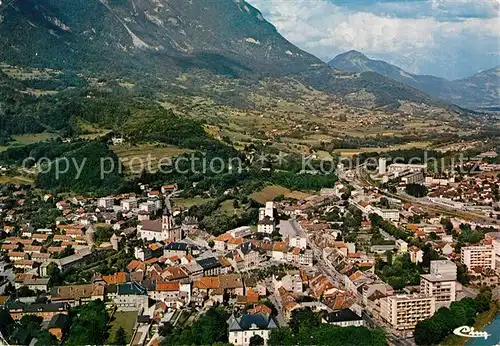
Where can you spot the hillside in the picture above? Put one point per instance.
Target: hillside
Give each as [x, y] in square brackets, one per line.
[154, 42]
[478, 91]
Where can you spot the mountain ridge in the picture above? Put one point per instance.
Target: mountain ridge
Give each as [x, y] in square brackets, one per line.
[477, 91]
[156, 41]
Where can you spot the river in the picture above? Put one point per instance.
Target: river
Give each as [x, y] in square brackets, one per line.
[494, 339]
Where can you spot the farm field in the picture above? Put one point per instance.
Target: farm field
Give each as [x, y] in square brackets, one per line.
[15, 180]
[269, 193]
[189, 202]
[32, 138]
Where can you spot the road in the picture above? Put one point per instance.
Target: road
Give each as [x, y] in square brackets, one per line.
[280, 317]
[168, 205]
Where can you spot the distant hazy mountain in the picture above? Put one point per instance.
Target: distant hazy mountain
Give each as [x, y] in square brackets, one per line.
[478, 91]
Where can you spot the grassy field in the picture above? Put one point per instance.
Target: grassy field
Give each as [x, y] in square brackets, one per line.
[133, 156]
[187, 203]
[269, 193]
[15, 180]
[32, 138]
[297, 195]
[125, 319]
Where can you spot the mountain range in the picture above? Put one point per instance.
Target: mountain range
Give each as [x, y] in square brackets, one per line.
[156, 41]
[480, 91]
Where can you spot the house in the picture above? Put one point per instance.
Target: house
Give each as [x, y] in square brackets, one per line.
[291, 282]
[232, 284]
[166, 291]
[46, 311]
[37, 284]
[131, 295]
[166, 189]
[64, 263]
[220, 242]
[343, 318]
[16, 255]
[447, 249]
[58, 325]
[78, 294]
[279, 252]
[242, 329]
[416, 255]
[174, 274]
[211, 266]
[116, 278]
[176, 249]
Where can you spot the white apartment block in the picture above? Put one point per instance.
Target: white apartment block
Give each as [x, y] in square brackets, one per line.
[495, 242]
[403, 312]
[148, 207]
[443, 288]
[445, 268]
[106, 202]
[129, 204]
[387, 214]
[478, 256]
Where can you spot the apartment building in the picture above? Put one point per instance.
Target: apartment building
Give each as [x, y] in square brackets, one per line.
[387, 214]
[443, 288]
[478, 256]
[106, 203]
[445, 268]
[403, 312]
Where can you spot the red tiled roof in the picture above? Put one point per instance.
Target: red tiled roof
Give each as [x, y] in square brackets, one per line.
[167, 286]
[116, 278]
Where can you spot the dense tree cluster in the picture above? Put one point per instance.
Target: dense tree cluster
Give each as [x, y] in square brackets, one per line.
[416, 190]
[209, 329]
[400, 273]
[89, 324]
[22, 332]
[305, 328]
[92, 168]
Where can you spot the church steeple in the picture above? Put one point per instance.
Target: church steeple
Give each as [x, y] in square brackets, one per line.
[167, 222]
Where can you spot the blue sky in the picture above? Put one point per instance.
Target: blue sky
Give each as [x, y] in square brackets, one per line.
[446, 38]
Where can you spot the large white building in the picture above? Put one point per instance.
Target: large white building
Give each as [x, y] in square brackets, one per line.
[242, 329]
[106, 202]
[129, 204]
[444, 268]
[494, 237]
[159, 230]
[292, 232]
[443, 288]
[382, 165]
[267, 223]
[440, 282]
[403, 312]
[482, 256]
[387, 214]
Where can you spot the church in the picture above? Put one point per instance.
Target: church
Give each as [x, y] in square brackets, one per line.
[160, 230]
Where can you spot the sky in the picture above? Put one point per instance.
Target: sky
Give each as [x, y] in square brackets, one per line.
[446, 38]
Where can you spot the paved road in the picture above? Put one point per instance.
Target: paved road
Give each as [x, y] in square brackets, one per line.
[273, 298]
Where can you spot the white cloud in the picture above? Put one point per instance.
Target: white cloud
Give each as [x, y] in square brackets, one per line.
[421, 43]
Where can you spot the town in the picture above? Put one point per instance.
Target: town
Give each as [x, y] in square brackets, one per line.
[364, 254]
